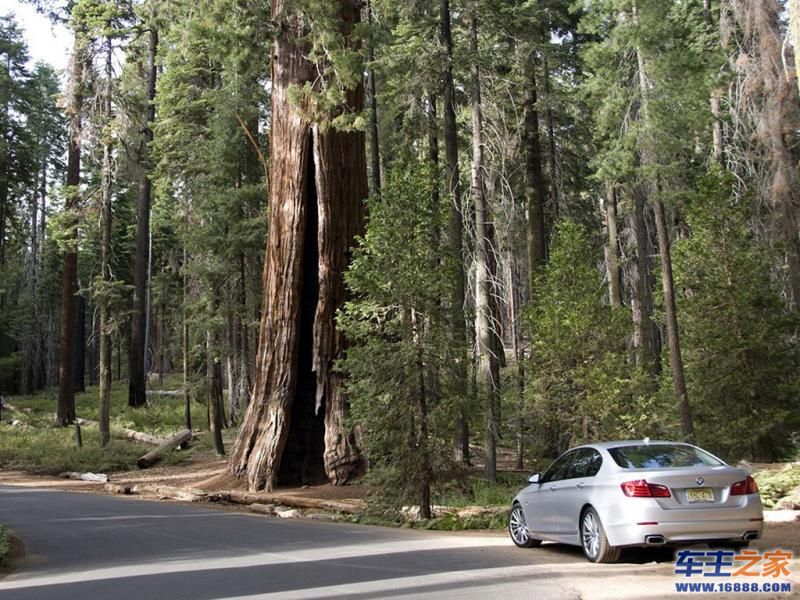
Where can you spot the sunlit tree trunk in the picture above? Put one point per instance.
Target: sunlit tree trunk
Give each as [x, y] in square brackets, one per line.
[294, 428]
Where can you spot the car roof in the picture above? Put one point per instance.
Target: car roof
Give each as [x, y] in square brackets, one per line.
[618, 443]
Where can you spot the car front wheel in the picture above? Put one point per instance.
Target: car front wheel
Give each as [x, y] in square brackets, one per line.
[518, 530]
[594, 541]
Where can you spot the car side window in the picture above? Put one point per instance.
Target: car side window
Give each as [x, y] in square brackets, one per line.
[558, 470]
[586, 464]
[595, 463]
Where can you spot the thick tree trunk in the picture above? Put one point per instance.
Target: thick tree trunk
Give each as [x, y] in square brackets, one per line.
[4, 175]
[612, 258]
[65, 413]
[105, 264]
[422, 441]
[793, 6]
[485, 323]
[455, 226]
[534, 176]
[187, 408]
[79, 342]
[712, 29]
[675, 358]
[514, 301]
[3, 211]
[216, 411]
[555, 175]
[644, 330]
[137, 384]
[294, 427]
[374, 145]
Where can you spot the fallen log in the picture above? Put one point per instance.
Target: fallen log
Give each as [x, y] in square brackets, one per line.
[350, 507]
[95, 477]
[114, 488]
[263, 509]
[170, 393]
[155, 455]
[4, 405]
[130, 434]
[168, 492]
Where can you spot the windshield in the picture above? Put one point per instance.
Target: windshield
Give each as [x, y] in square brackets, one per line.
[661, 456]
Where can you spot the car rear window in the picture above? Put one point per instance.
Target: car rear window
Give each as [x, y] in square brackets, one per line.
[661, 456]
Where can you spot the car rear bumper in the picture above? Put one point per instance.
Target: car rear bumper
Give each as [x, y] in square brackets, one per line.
[682, 532]
[646, 524]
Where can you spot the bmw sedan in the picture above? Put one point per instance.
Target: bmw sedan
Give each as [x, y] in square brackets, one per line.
[608, 496]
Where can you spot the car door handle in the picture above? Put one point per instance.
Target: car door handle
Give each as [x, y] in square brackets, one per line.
[554, 488]
[580, 485]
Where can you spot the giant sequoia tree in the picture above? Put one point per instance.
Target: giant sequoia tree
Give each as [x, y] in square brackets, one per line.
[294, 426]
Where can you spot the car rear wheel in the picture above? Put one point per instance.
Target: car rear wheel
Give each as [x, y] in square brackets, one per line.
[518, 530]
[594, 541]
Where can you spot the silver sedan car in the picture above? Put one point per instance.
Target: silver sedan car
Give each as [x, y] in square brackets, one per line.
[607, 496]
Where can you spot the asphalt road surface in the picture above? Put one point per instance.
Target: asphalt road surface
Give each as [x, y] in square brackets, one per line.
[92, 547]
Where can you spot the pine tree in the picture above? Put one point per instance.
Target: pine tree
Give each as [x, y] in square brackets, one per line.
[399, 330]
[741, 359]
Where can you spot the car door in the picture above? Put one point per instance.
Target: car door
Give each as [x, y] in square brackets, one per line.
[541, 505]
[576, 489]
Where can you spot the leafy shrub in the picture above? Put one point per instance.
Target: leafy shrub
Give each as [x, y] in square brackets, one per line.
[773, 486]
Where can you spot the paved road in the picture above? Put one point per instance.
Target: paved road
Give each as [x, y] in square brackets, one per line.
[89, 547]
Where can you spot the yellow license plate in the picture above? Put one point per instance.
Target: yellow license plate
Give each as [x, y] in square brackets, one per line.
[700, 495]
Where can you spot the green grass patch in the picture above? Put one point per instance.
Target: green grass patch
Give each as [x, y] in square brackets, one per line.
[479, 492]
[42, 448]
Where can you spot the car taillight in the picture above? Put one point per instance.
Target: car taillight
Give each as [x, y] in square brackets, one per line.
[746, 486]
[641, 489]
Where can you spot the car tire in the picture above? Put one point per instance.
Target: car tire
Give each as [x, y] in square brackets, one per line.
[594, 541]
[518, 530]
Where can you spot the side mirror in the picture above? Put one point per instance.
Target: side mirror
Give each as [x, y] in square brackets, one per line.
[534, 478]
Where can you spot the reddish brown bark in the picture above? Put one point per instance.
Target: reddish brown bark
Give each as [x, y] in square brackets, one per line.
[65, 413]
[293, 428]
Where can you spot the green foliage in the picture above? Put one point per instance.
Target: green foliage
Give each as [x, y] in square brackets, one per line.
[398, 330]
[773, 486]
[495, 519]
[5, 545]
[479, 492]
[338, 59]
[210, 183]
[583, 385]
[741, 356]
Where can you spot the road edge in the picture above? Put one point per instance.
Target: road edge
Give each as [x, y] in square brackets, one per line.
[15, 554]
